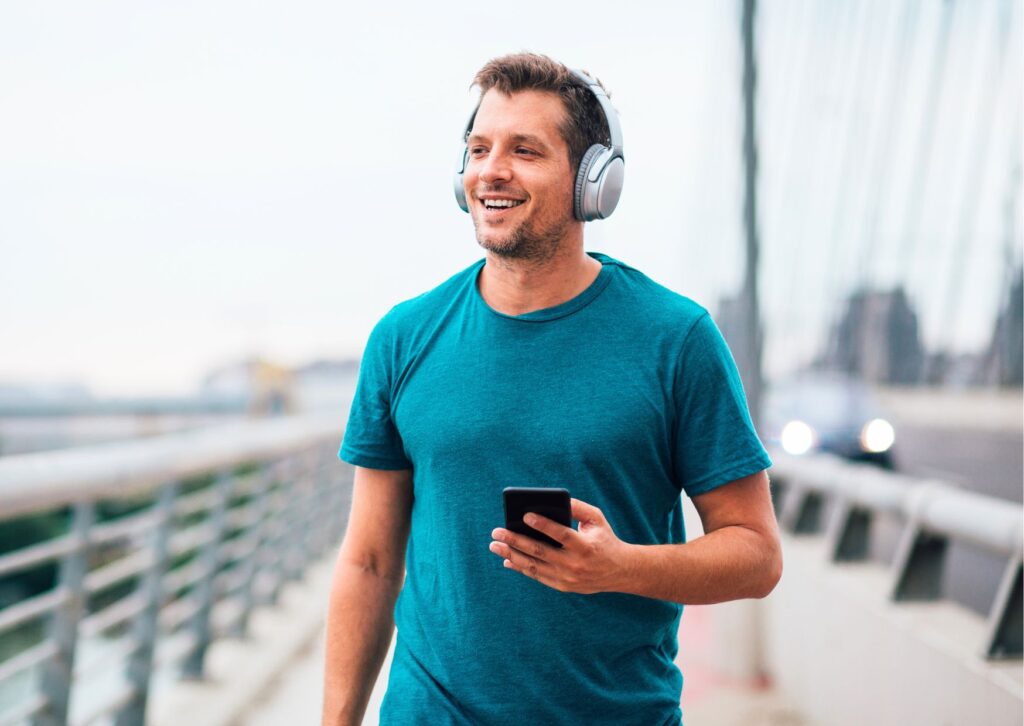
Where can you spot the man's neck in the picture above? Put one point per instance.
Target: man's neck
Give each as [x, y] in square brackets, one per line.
[516, 287]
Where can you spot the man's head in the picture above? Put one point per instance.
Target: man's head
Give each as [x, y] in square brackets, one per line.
[584, 124]
[535, 121]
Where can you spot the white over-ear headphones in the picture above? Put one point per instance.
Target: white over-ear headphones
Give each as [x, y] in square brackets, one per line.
[599, 179]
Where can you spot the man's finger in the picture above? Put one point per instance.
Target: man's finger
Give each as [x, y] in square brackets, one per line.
[555, 530]
[542, 574]
[516, 560]
[527, 545]
[583, 512]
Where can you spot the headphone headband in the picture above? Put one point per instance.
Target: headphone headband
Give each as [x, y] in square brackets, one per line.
[614, 130]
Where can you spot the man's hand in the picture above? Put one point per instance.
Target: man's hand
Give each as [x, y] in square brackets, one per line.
[591, 560]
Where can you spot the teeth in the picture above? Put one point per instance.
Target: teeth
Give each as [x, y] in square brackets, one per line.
[495, 203]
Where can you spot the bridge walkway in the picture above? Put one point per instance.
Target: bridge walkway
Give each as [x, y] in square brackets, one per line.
[292, 693]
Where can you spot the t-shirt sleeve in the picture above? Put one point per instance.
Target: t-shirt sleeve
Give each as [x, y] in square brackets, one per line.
[715, 442]
[371, 437]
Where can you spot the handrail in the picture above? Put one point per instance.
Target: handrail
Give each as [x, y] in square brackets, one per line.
[994, 524]
[933, 514]
[44, 480]
[205, 539]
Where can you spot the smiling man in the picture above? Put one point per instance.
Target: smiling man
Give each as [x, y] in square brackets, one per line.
[541, 365]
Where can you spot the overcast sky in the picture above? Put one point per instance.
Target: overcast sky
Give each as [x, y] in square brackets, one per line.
[186, 184]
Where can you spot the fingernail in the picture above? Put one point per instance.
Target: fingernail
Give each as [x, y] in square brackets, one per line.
[528, 518]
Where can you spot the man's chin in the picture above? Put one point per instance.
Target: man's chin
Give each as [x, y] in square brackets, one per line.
[518, 248]
[520, 242]
[499, 245]
[506, 242]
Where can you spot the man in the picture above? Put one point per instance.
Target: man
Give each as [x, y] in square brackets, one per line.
[540, 366]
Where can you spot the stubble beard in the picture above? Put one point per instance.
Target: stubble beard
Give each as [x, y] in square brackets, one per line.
[525, 243]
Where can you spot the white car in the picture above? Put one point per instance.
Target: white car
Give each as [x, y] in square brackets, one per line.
[832, 412]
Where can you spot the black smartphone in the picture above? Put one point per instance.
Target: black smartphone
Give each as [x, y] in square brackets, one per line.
[551, 502]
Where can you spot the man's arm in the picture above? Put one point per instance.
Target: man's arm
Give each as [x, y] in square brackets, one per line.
[739, 556]
[368, 576]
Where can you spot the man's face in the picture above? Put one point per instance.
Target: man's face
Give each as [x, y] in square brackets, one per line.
[518, 181]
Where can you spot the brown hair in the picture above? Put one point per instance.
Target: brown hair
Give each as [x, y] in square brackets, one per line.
[585, 124]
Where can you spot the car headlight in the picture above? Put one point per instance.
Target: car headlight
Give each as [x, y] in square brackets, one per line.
[877, 436]
[797, 438]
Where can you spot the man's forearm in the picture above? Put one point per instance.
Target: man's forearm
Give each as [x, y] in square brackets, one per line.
[359, 629]
[730, 563]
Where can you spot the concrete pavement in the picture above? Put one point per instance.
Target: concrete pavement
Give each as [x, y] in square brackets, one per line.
[711, 697]
[274, 677]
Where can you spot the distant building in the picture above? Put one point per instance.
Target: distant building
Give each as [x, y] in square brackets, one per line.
[16, 396]
[272, 389]
[956, 370]
[877, 338]
[1004, 362]
[327, 385]
[328, 369]
[729, 319]
[266, 388]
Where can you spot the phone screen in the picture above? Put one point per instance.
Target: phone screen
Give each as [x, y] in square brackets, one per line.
[551, 502]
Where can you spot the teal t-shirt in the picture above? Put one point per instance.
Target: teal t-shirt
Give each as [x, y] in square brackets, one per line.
[625, 395]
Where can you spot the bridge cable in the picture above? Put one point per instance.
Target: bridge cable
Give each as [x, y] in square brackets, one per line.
[791, 308]
[795, 74]
[967, 215]
[794, 59]
[881, 166]
[845, 176]
[920, 166]
[877, 165]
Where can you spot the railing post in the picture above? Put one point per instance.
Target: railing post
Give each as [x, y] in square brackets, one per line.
[312, 509]
[849, 533]
[276, 529]
[346, 492]
[140, 663]
[320, 503]
[801, 509]
[920, 558]
[192, 667]
[58, 672]
[293, 520]
[1005, 637]
[780, 486]
[260, 534]
[332, 495]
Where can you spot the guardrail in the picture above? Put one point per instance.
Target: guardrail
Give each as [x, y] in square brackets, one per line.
[933, 514]
[171, 543]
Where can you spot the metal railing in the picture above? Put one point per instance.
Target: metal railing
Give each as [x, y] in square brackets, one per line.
[170, 543]
[933, 513]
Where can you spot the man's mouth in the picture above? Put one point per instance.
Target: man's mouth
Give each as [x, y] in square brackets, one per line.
[501, 203]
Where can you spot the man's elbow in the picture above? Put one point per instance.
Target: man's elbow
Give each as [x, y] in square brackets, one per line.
[773, 572]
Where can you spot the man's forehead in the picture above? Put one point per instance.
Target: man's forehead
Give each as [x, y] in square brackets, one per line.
[522, 114]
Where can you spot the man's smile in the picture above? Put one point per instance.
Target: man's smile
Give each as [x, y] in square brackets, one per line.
[496, 208]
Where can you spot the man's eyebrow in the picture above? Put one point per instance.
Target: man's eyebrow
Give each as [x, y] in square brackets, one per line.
[515, 138]
[529, 139]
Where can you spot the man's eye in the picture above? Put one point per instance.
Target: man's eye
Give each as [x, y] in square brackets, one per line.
[528, 152]
[477, 150]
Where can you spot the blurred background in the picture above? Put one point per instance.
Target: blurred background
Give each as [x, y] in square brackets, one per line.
[205, 207]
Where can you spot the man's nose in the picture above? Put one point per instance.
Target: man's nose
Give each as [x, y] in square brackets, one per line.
[495, 168]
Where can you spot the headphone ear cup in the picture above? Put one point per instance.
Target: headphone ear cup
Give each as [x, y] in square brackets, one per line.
[579, 194]
[460, 189]
[609, 188]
